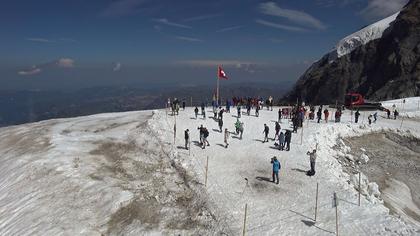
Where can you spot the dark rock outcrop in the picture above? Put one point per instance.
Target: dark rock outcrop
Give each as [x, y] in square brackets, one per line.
[385, 68]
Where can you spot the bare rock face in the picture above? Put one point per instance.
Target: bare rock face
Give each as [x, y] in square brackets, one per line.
[385, 68]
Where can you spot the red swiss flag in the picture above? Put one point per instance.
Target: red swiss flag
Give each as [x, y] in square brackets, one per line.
[221, 73]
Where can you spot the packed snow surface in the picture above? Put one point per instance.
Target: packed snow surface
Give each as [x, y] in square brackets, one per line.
[122, 174]
[361, 37]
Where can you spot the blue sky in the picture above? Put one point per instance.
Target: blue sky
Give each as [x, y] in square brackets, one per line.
[57, 43]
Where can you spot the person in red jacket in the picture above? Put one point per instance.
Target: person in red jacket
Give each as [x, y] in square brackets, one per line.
[326, 114]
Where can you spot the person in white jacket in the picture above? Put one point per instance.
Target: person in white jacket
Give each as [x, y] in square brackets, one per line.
[226, 137]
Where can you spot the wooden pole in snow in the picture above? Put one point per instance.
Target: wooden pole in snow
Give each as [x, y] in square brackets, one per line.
[402, 116]
[244, 228]
[336, 213]
[316, 201]
[301, 135]
[359, 186]
[207, 170]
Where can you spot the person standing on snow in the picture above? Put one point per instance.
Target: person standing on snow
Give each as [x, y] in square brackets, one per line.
[266, 131]
[312, 159]
[202, 108]
[220, 124]
[388, 113]
[277, 129]
[226, 137]
[276, 169]
[326, 114]
[270, 99]
[205, 136]
[288, 139]
[196, 112]
[395, 114]
[183, 105]
[279, 118]
[281, 141]
[356, 116]
[319, 114]
[257, 111]
[241, 129]
[370, 119]
[187, 138]
[201, 130]
[239, 111]
[375, 117]
[337, 116]
[221, 113]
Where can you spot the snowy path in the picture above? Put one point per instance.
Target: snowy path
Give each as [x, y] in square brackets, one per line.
[287, 208]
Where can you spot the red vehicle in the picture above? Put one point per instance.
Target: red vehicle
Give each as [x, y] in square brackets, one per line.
[356, 101]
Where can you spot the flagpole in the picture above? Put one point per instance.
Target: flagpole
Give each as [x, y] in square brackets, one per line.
[217, 90]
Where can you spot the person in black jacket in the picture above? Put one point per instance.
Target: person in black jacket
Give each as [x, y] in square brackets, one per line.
[288, 139]
[266, 130]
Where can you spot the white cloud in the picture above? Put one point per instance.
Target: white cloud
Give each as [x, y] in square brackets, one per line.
[202, 17]
[280, 26]
[189, 39]
[379, 9]
[167, 22]
[33, 71]
[211, 63]
[60, 63]
[298, 17]
[123, 7]
[65, 62]
[40, 40]
[117, 66]
[229, 28]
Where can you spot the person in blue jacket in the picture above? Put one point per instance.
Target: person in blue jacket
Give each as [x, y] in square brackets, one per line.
[276, 168]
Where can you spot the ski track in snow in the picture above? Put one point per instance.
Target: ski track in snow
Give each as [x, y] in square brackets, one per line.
[46, 186]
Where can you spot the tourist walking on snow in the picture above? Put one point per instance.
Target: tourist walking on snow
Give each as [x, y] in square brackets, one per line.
[288, 139]
[201, 131]
[183, 105]
[187, 138]
[319, 114]
[395, 114]
[326, 114]
[205, 136]
[370, 119]
[241, 129]
[257, 111]
[277, 129]
[265, 131]
[312, 159]
[356, 116]
[279, 118]
[196, 112]
[226, 137]
[220, 124]
[281, 141]
[375, 117]
[276, 169]
[239, 111]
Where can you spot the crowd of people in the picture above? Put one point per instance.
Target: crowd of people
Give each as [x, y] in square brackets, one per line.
[282, 137]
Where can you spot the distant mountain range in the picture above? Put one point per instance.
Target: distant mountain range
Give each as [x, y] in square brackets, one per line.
[18, 107]
[381, 61]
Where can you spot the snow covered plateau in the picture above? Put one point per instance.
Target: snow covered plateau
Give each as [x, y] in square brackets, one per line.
[123, 174]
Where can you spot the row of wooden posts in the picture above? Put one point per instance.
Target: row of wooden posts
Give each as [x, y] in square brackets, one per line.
[335, 198]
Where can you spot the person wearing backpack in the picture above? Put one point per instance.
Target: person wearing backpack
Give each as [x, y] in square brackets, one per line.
[288, 139]
[205, 136]
[276, 169]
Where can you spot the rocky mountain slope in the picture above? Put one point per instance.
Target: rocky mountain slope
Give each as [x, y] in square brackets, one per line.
[383, 68]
